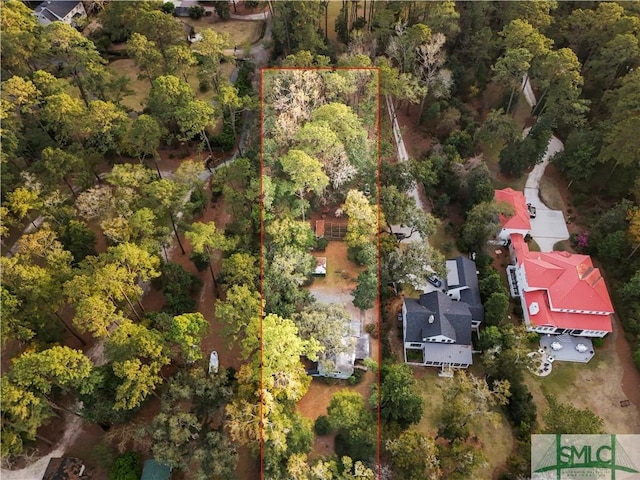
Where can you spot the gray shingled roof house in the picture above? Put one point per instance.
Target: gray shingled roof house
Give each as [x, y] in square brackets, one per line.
[438, 326]
[462, 284]
[437, 331]
[59, 11]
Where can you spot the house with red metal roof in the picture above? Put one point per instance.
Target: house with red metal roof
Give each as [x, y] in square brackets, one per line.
[560, 292]
[518, 222]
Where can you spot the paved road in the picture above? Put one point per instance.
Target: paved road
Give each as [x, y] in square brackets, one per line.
[258, 52]
[549, 227]
[528, 91]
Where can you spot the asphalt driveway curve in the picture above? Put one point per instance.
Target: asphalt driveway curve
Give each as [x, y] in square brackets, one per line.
[549, 227]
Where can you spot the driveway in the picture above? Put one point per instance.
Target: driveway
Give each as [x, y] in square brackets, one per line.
[403, 156]
[549, 227]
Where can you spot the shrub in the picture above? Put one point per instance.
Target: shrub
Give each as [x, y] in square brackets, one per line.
[636, 357]
[204, 86]
[168, 7]
[175, 278]
[224, 140]
[356, 378]
[222, 10]
[322, 425]
[178, 285]
[178, 304]
[372, 329]
[598, 342]
[532, 337]
[366, 255]
[196, 11]
[321, 244]
[200, 260]
[245, 76]
[198, 200]
[126, 467]
[78, 238]
[496, 308]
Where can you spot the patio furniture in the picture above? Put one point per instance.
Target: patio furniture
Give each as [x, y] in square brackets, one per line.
[581, 347]
[556, 346]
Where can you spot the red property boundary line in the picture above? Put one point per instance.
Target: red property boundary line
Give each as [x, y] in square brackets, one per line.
[378, 304]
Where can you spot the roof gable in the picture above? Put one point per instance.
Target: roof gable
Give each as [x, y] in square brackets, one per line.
[544, 316]
[520, 219]
[571, 280]
[59, 8]
[65, 468]
[451, 318]
[462, 272]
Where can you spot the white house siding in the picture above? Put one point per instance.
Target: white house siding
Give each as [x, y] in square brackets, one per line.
[77, 10]
[506, 233]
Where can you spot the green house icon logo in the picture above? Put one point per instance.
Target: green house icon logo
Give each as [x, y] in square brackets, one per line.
[563, 457]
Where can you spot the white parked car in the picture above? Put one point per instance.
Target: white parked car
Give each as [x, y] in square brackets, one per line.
[213, 362]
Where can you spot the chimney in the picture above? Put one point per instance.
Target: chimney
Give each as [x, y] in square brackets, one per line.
[431, 318]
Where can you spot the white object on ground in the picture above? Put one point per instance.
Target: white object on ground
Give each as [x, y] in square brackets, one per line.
[213, 362]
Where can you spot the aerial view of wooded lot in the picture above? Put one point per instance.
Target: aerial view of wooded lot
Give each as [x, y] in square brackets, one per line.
[314, 240]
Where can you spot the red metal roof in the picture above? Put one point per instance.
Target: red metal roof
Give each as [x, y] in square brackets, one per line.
[548, 318]
[564, 281]
[520, 219]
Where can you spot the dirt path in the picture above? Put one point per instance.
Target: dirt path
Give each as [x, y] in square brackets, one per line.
[35, 471]
[630, 383]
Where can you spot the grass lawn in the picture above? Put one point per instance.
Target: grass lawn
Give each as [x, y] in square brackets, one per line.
[495, 441]
[522, 111]
[563, 246]
[491, 156]
[334, 10]
[240, 32]
[409, 291]
[550, 193]
[444, 241]
[533, 246]
[141, 88]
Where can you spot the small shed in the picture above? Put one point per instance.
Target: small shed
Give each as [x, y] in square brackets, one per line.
[181, 11]
[155, 471]
[66, 468]
[321, 266]
[319, 228]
